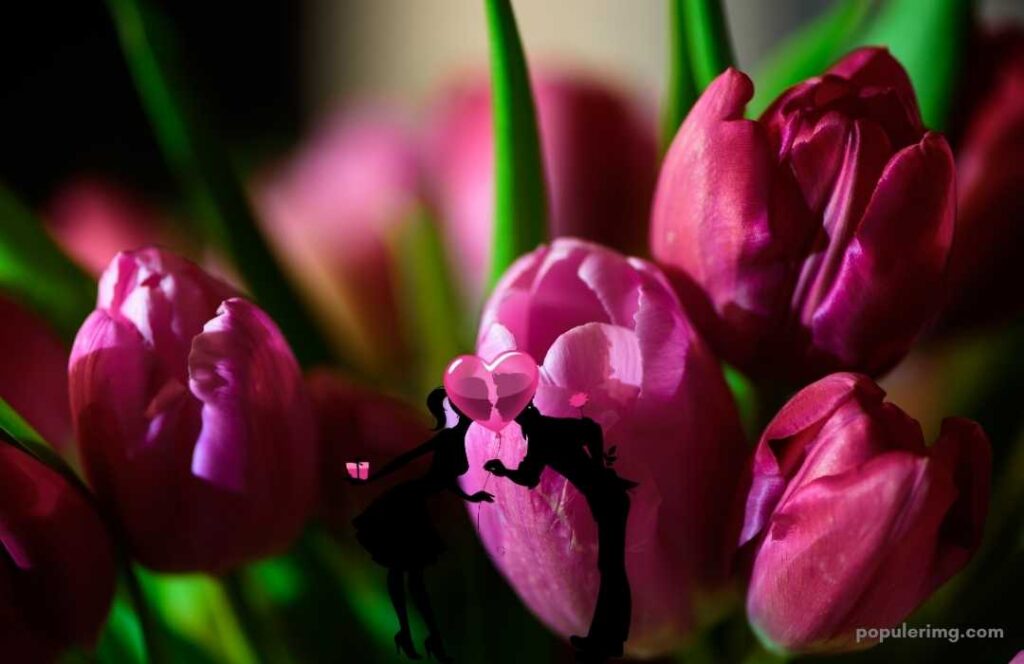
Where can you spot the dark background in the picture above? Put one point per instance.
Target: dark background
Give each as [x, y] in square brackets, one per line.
[68, 104]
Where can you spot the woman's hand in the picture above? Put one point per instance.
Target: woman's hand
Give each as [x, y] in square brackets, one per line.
[482, 497]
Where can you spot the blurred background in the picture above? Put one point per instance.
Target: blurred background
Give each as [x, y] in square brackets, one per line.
[267, 71]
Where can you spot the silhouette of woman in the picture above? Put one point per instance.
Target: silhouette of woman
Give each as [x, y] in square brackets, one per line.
[396, 529]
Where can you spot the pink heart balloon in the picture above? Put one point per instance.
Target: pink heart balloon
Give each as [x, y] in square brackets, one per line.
[492, 393]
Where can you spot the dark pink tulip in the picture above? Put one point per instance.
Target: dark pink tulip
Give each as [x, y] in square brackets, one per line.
[815, 238]
[334, 212]
[600, 156]
[614, 345]
[193, 422]
[357, 423]
[57, 562]
[987, 248]
[851, 520]
[34, 372]
[93, 219]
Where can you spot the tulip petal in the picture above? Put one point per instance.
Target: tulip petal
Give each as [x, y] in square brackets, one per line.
[866, 150]
[822, 540]
[807, 410]
[560, 299]
[600, 360]
[109, 384]
[56, 560]
[508, 306]
[166, 298]
[711, 222]
[963, 451]
[243, 372]
[877, 68]
[890, 279]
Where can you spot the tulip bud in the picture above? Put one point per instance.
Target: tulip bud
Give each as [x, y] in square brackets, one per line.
[851, 520]
[357, 424]
[816, 237]
[600, 160]
[986, 255]
[193, 423]
[56, 562]
[33, 373]
[610, 328]
[333, 211]
[92, 220]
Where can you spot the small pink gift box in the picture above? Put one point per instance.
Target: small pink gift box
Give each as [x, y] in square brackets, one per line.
[358, 470]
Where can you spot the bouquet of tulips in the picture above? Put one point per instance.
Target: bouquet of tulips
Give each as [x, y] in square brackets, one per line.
[729, 295]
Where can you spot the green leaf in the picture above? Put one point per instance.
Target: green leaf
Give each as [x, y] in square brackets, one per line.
[121, 639]
[14, 430]
[928, 39]
[430, 304]
[809, 52]
[682, 91]
[218, 200]
[520, 206]
[708, 38]
[744, 392]
[35, 271]
[199, 617]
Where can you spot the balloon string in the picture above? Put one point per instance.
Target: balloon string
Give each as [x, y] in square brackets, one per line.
[487, 480]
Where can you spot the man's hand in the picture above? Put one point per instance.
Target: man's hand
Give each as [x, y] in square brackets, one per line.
[482, 497]
[496, 468]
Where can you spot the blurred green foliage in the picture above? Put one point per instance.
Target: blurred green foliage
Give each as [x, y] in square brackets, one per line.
[35, 271]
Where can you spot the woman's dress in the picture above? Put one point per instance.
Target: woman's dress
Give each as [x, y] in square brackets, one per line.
[396, 529]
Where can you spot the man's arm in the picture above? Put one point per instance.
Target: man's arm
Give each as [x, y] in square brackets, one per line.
[593, 438]
[526, 474]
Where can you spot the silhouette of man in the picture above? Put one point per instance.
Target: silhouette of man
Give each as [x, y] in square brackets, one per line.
[574, 448]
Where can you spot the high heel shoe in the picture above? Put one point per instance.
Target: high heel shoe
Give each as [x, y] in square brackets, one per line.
[435, 649]
[403, 645]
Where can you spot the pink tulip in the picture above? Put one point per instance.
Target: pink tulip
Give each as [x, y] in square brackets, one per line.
[987, 248]
[57, 567]
[851, 520]
[357, 424]
[334, 212]
[600, 157]
[33, 373]
[610, 328]
[93, 219]
[192, 419]
[816, 237]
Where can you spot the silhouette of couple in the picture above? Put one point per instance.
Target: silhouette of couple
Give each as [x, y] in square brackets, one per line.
[397, 531]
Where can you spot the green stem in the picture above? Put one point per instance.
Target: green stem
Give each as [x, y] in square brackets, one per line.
[151, 643]
[708, 38]
[682, 91]
[520, 206]
[429, 301]
[218, 199]
[257, 627]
